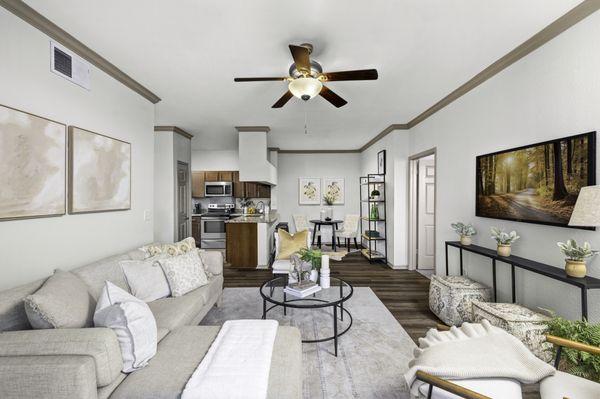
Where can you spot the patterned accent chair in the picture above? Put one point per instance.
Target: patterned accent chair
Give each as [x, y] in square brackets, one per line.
[349, 231]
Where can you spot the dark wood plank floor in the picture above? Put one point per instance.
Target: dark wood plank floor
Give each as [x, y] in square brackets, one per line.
[403, 292]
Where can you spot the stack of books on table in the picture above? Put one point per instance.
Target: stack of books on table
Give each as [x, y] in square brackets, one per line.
[302, 290]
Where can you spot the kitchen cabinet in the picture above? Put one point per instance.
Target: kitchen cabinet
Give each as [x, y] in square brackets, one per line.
[242, 245]
[264, 191]
[238, 186]
[198, 179]
[226, 176]
[196, 228]
[211, 176]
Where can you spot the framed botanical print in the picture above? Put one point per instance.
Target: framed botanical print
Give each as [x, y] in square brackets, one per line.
[99, 172]
[381, 162]
[309, 191]
[333, 190]
[33, 165]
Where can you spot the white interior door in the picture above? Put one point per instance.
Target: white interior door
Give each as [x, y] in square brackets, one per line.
[426, 214]
[183, 201]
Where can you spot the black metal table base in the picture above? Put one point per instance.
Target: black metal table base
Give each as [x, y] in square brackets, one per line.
[336, 335]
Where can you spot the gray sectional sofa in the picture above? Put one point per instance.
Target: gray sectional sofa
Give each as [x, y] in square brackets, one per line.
[86, 363]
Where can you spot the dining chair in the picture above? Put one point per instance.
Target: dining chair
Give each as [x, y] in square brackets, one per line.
[349, 231]
[301, 223]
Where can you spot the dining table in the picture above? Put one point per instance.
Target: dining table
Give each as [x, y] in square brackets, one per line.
[317, 227]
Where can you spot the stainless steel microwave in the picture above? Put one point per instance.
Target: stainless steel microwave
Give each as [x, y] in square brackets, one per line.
[218, 189]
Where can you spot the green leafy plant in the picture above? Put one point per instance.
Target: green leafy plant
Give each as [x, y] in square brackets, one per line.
[574, 252]
[329, 199]
[576, 362]
[464, 230]
[313, 256]
[375, 193]
[504, 238]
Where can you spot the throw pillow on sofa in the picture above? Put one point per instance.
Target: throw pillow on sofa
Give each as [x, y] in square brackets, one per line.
[63, 301]
[175, 249]
[184, 273]
[133, 323]
[290, 244]
[146, 279]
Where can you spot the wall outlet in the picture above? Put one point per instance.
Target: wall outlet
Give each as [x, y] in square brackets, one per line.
[147, 216]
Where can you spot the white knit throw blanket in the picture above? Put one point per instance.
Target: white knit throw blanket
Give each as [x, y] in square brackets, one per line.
[475, 351]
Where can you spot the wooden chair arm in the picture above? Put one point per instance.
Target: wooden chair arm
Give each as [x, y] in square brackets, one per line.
[449, 386]
[567, 343]
[442, 327]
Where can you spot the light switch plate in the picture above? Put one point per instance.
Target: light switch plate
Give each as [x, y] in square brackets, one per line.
[147, 215]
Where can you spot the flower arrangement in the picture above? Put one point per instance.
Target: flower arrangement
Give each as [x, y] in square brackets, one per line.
[465, 231]
[504, 240]
[312, 256]
[576, 256]
[329, 198]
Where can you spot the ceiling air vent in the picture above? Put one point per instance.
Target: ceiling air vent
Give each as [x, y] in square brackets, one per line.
[68, 65]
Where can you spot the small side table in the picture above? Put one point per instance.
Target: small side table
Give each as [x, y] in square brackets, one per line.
[334, 226]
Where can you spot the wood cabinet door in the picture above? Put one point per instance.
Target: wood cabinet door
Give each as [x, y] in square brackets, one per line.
[196, 228]
[198, 184]
[211, 176]
[242, 245]
[226, 176]
[238, 186]
[251, 189]
[264, 191]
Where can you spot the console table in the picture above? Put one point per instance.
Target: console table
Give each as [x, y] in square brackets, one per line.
[585, 284]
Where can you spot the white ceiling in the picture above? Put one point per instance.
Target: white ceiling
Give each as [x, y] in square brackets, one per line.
[188, 52]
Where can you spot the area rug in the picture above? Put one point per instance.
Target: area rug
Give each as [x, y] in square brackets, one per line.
[372, 356]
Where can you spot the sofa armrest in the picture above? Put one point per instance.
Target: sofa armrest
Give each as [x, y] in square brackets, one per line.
[213, 260]
[100, 344]
[51, 377]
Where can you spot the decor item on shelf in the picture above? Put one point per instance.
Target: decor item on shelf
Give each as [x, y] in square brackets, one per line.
[375, 195]
[334, 190]
[576, 256]
[300, 278]
[381, 162]
[374, 214]
[246, 204]
[465, 231]
[309, 191]
[372, 233]
[326, 214]
[99, 172]
[33, 165]
[504, 240]
[573, 361]
[325, 272]
[586, 212]
[536, 183]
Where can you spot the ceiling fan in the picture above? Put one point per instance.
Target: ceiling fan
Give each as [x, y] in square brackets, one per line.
[307, 77]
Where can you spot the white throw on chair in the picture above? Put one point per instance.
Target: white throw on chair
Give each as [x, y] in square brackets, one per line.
[349, 230]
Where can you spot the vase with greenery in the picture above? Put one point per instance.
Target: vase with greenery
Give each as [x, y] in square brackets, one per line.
[576, 256]
[312, 256]
[465, 231]
[375, 194]
[581, 364]
[504, 240]
[329, 199]
[374, 212]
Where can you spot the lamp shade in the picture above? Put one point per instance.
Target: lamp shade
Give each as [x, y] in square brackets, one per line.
[305, 87]
[587, 208]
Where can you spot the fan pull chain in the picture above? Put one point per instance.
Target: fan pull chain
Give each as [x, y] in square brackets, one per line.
[305, 117]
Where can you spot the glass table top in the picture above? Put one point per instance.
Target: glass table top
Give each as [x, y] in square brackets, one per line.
[339, 291]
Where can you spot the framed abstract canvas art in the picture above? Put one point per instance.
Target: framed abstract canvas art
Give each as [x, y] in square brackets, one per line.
[334, 188]
[309, 191]
[99, 172]
[32, 165]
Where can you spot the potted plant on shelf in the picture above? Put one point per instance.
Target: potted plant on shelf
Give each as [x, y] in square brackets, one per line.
[375, 195]
[576, 256]
[312, 256]
[465, 231]
[504, 240]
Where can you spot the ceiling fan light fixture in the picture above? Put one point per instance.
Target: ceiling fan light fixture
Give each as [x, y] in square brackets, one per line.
[305, 88]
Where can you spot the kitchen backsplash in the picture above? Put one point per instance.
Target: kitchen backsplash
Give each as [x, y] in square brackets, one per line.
[223, 200]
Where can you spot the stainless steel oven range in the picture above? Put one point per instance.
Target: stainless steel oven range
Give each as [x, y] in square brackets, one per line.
[212, 225]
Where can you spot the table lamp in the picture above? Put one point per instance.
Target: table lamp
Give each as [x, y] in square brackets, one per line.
[587, 208]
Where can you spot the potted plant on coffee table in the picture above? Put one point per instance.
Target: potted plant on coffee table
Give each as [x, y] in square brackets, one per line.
[576, 256]
[465, 231]
[312, 256]
[504, 240]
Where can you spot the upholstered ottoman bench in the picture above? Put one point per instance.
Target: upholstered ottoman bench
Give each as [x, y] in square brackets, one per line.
[450, 298]
[525, 324]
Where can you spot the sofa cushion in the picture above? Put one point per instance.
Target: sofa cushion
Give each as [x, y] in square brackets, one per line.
[62, 302]
[12, 307]
[172, 313]
[179, 248]
[146, 279]
[213, 261]
[107, 269]
[184, 273]
[289, 244]
[563, 385]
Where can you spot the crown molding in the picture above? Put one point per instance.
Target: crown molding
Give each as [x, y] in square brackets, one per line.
[265, 129]
[38, 21]
[273, 149]
[174, 129]
[320, 151]
[384, 132]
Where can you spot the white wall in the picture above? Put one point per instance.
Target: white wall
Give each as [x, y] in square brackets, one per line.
[33, 248]
[293, 166]
[215, 160]
[554, 92]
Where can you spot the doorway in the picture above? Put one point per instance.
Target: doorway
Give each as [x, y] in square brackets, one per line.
[422, 208]
[182, 199]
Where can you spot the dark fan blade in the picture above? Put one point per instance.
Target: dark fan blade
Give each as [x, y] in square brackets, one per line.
[362, 74]
[256, 79]
[332, 97]
[284, 99]
[301, 58]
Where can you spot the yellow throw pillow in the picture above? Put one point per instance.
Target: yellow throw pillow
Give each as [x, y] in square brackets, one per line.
[290, 244]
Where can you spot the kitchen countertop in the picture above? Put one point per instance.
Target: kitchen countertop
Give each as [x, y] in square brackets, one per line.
[272, 217]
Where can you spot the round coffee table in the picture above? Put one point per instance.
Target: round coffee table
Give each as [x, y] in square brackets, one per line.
[335, 296]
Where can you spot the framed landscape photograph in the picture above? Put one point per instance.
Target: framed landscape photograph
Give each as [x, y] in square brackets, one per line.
[334, 187]
[309, 191]
[381, 162]
[537, 183]
[99, 172]
[33, 165]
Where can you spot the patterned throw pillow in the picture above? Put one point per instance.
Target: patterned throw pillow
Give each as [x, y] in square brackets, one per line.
[178, 248]
[184, 273]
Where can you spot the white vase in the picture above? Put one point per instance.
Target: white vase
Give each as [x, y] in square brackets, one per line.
[314, 275]
[325, 281]
[465, 240]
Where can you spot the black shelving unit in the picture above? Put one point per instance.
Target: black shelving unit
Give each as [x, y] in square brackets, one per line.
[372, 245]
